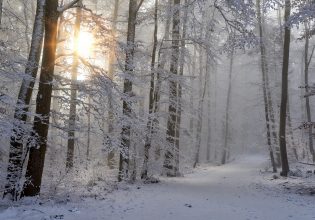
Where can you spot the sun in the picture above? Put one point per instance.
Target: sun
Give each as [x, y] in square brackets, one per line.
[85, 49]
[85, 44]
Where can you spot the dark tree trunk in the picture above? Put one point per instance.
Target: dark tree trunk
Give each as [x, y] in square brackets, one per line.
[169, 162]
[291, 142]
[88, 141]
[1, 4]
[37, 152]
[150, 129]
[129, 71]
[74, 89]
[284, 91]
[15, 165]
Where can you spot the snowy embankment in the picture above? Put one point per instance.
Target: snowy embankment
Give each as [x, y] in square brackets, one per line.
[235, 191]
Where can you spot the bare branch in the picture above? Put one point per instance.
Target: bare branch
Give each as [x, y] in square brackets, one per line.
[139, 5]
[67, 6]
[309, 61]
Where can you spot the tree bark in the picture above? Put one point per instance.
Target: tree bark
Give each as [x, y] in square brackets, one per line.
[129, 71]
[111, 154]
[307, 99]
[37, 152]
[291, 143]
[266, 89]
[284, 91]
[147, 145]
[179, 88]
[88, 141]
[26, 29]
[74, 89]
[1, 5]
[192, 80]
[209, 109]
[15, 165]
[200, 114]
[162, 60]
[226, 149]
[169, 161]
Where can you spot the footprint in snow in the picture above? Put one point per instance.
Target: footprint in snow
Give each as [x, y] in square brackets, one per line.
[188, 205]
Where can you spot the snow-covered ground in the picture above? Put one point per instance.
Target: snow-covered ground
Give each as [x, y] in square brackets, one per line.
[237, 191]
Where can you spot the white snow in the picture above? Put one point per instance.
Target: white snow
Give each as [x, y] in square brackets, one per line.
[235, 191]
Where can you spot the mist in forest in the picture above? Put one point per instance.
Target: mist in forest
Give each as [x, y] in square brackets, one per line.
[99, 95]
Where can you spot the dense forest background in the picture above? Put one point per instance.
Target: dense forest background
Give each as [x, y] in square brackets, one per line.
[104, 91]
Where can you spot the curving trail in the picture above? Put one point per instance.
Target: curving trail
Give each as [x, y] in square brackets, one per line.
[234, 191]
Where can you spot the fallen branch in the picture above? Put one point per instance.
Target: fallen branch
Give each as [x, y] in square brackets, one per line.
[307, 163]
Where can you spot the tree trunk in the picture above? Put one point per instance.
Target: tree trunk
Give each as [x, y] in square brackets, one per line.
[88, 141]
[192, 80]
[226, 148]
[111, 154]
[26, 29]
[129, 71]
[162, 60]
[74, 89]
[147, 145]
[307, 99]
[271, 112]
[15, 165]
[293, 146]
[37, 152]
[169, 162]
[1, 4]
[179, 89]
[266, 89]
[284, 91]
[291, 143]
[200, 114]
[208, 110]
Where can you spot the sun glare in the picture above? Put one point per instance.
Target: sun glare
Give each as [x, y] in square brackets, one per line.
[85, 44]
[85, 50]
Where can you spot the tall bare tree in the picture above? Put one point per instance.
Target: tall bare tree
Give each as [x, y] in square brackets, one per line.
[111, 154]
[202, 92]
[73, 88]
[150, 126]
[284, 90]
[226, 148]
[15, 165]
[265, 86]
[1, 5]
[37, 149]
[162, 61]
[307, 60]
[169, 162]
[134, 7]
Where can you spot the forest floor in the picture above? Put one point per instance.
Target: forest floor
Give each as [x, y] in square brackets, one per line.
[240, 190]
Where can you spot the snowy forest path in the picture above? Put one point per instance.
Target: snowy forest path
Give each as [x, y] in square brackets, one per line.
[233, 191]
